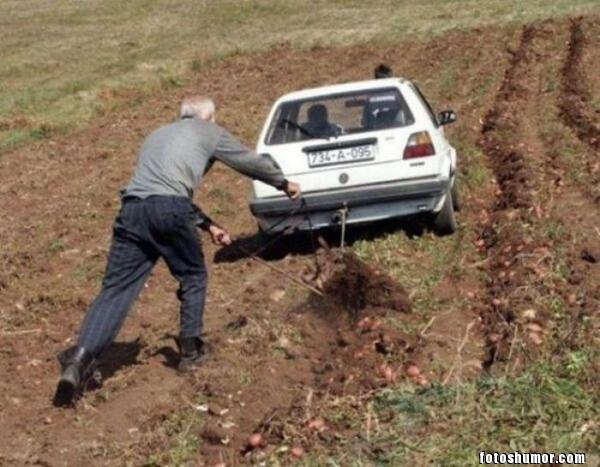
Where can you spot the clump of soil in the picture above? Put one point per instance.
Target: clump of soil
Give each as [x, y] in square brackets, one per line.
[355, 285]
[359, 350]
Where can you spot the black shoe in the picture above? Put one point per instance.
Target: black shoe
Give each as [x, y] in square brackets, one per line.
[192, 353]
[77, 367]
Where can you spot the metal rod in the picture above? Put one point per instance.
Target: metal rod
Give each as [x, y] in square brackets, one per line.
[343, 212]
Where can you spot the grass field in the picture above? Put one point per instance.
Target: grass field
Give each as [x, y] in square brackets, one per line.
[63, 62]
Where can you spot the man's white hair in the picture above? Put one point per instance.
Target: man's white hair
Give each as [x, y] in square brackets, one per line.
[198, 106]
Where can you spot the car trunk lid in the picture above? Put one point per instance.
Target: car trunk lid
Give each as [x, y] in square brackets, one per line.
[349, 160]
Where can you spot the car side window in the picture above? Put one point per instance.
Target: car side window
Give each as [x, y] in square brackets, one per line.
[426, 105]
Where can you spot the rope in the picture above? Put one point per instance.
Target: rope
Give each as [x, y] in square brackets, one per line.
[280, 271]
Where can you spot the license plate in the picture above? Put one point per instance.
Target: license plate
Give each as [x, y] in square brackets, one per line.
[341, 156]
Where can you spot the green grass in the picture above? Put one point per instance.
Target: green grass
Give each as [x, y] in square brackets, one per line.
[419, 263]
[183, 442]
[539, 411]
[551, 407]
[61, 59]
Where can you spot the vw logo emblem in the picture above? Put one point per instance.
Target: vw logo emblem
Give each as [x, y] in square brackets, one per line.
[344, 178]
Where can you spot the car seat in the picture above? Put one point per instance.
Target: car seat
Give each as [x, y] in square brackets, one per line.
[383, 114]
[318, 122]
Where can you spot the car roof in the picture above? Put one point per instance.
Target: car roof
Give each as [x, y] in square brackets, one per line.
[342, 88]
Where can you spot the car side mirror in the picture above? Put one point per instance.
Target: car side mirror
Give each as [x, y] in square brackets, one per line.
[446, 116]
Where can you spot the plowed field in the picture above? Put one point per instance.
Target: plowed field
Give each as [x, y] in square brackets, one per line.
[518, 280]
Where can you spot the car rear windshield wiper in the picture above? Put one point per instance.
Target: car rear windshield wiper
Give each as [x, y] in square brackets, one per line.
[303, 130]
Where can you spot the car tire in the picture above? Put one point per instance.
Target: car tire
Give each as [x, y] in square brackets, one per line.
[444, 222]
[456, 199]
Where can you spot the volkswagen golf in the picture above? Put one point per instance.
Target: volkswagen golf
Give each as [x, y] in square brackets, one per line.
[362, 152]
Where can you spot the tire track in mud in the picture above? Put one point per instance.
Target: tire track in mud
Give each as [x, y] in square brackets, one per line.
[521, 254]
[575, 109]
[572, 203]
[507, 161]
[573, 102]
[508, 249]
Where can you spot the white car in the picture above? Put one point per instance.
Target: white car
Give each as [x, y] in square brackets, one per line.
[361, 152]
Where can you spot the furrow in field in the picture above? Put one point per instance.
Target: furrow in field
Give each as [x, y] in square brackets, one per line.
[540, 243]
[510, 243]
[574, 102]
[576, 106]
[569, 200]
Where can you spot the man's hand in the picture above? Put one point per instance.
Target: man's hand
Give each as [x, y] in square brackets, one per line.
[292, 189]
[219, 236]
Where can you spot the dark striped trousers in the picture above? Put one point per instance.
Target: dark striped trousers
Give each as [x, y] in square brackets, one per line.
[145, 230]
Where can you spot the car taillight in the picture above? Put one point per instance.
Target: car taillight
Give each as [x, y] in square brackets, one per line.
[419, 145]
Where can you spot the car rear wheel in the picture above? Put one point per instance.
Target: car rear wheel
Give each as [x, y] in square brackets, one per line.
[444, 222]
[456, 199]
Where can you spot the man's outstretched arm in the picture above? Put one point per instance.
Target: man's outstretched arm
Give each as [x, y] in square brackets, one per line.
[258, 166]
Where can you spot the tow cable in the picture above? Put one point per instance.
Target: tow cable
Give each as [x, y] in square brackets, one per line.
[278, 270]
[254, 255]
[342, 214]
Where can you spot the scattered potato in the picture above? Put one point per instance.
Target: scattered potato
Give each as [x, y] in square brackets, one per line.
[534, 327]
[387, 372]
[316, 424]
[535, 338]
[256, 440]
[529, 314]
[413, 371]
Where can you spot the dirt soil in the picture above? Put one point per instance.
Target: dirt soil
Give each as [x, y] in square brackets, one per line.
[532, 185]
[357, 286]
[276, 350]
[575, 105]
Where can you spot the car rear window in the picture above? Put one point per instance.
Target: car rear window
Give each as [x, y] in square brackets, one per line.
[340, 114]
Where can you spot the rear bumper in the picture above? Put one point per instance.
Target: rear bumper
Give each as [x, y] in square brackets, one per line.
[365, 204]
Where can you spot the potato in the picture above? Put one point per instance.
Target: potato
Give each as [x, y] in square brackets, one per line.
[297, 452]
[257, 440]
[422, 381]
[535, 338]
[534, 327]
[387, 372]
[413, 370]
[316, 424]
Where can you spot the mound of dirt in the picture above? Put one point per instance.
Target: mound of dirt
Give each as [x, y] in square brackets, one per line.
[357, 350]
[355, 285]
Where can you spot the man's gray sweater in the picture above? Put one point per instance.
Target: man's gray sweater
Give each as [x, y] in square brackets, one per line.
[174, 158]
